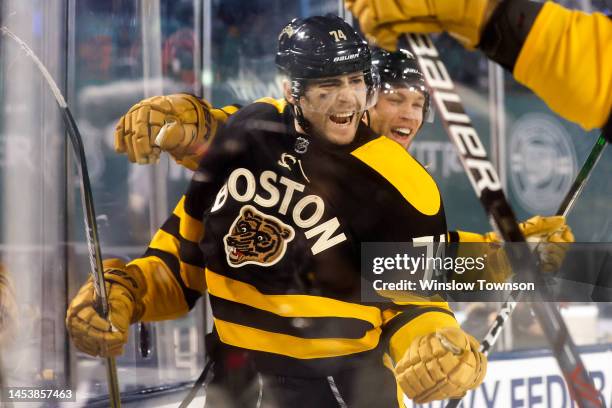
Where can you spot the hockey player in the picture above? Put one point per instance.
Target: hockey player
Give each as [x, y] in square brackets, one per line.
[282, 242]
[404, 100]
[403, 104]
[564, 56]
[190, 123]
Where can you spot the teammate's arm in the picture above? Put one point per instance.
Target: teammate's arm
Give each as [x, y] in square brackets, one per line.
[564, 56]
[173, 264]
[163, 284]
[166, 282]
[192, 124]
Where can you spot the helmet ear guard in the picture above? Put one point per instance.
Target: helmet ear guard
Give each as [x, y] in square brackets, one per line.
[372, 80]
[296, 91]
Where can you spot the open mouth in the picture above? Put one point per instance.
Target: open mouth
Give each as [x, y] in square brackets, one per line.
[235, 254]
[343, 119]
[401, 132]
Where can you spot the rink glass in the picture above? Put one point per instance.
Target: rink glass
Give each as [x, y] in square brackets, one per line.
[106, 56]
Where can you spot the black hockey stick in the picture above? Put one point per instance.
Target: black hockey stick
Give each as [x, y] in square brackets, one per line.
[200, 382]
[485, 182]
[91, 228]
[564, 209]
[583, 176]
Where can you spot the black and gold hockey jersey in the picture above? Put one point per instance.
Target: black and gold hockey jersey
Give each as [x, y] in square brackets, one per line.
[272, 226]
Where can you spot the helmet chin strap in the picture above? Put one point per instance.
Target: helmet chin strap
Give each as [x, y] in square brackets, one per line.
[302, 141]
[301, 120]
[296, 92]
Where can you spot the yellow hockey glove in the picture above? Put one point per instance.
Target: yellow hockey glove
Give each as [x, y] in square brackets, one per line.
[384, 21]
[190, 122]
[8, 309]
[90, 333]
[440, 365]
[549, 236]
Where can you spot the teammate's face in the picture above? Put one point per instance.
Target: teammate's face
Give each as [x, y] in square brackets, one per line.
[398, 114]
[334, 106]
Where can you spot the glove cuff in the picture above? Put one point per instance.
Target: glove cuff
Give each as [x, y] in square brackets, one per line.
[507, 30]
[464, 236]
[206, 122]
[132, 279]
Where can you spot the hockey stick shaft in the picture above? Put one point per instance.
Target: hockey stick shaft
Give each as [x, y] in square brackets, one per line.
[583, 176]
[91, 228]
[200, 382]
[487, 185]
[564, 209]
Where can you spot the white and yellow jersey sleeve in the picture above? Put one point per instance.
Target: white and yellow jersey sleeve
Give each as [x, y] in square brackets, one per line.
[567, 61]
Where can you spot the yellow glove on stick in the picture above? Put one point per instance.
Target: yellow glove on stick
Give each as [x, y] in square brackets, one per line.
[90, 333]
[552, 236]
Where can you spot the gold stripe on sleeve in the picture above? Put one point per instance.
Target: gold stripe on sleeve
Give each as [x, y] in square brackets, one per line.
[164, 299]
[193, 276]
[190, 228]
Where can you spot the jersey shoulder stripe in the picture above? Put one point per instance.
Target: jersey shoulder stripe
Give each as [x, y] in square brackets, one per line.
[279, 104]
[257, 116]
[399, 168]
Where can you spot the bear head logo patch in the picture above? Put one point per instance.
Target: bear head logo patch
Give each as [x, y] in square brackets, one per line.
[256, 238]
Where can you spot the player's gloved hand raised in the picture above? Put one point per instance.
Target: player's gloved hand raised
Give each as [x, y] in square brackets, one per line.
[190, 127]
[92, 334]
[550, 236]
[384, 21]
[441, 365]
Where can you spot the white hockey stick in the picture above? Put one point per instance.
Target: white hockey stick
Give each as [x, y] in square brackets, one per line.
[91, 228]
